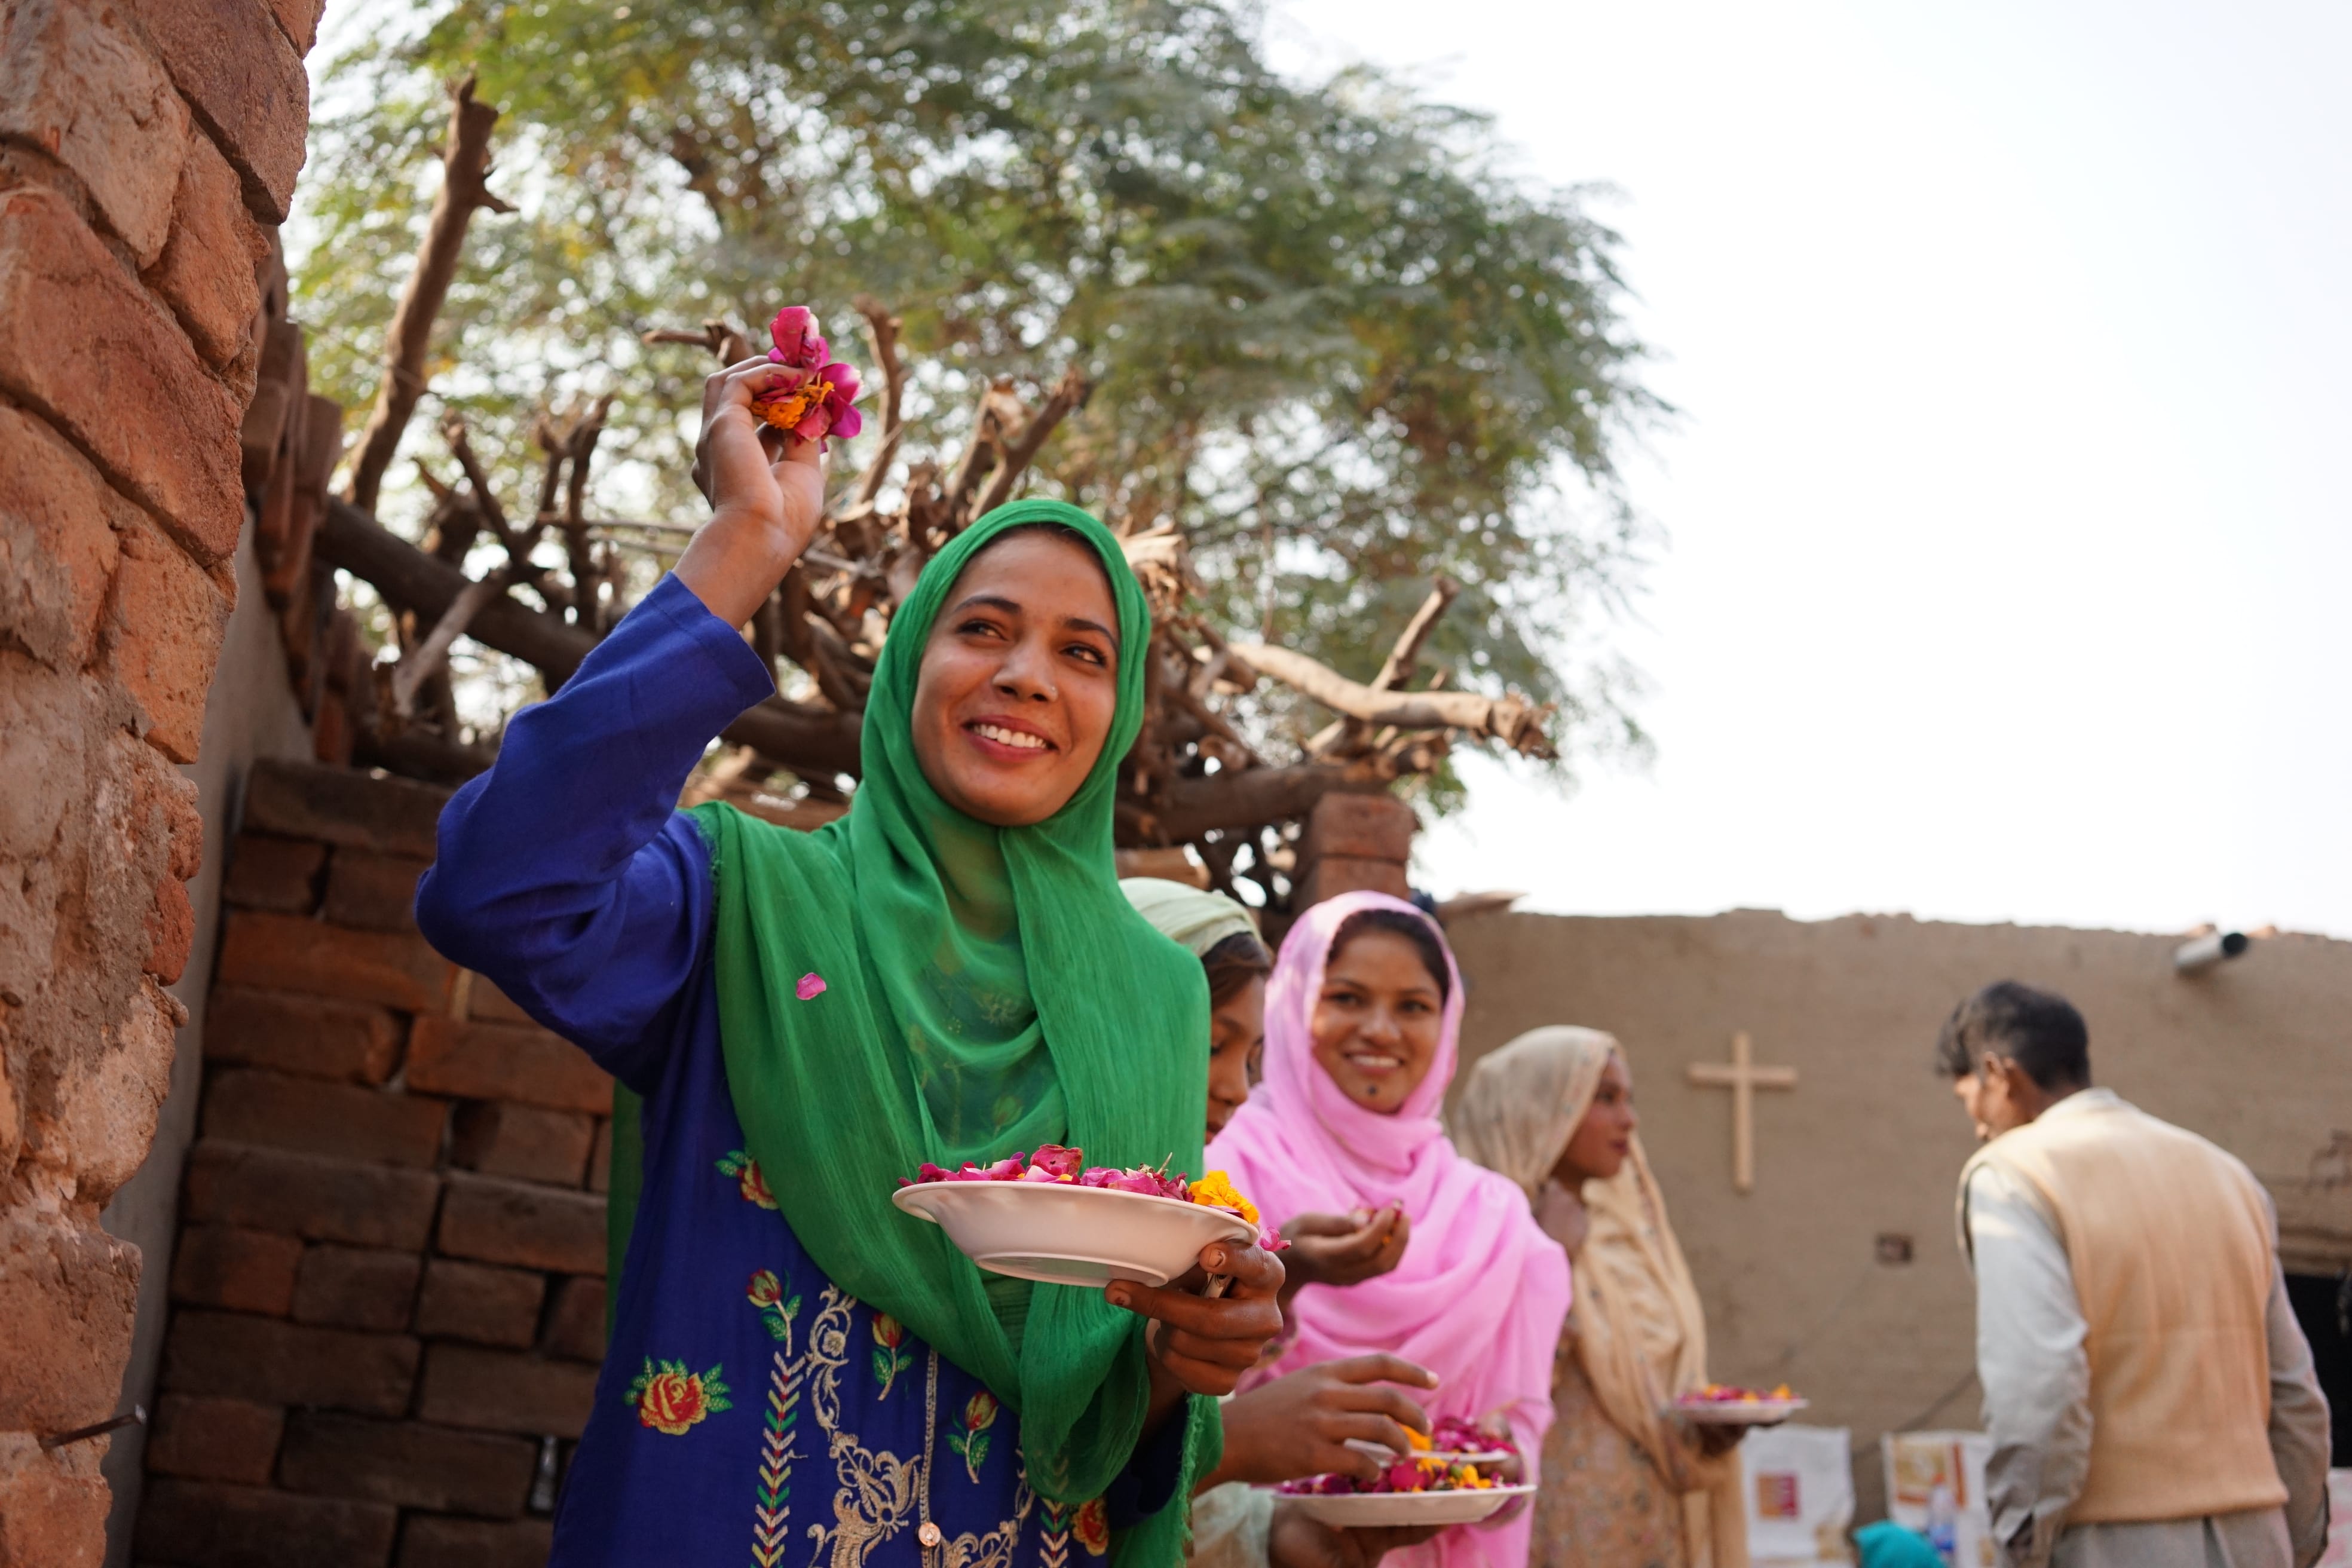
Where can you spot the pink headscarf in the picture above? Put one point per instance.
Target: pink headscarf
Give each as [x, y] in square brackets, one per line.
[1481, 1294]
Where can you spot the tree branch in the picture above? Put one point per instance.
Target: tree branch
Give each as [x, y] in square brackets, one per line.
[1069, 393]
[419, 663]
[809, 741]
[1507, 720]
[466, 169]
[1188, 807]
[882, 332]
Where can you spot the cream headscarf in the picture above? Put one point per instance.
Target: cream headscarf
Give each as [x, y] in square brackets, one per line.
[1186, 915]
[1640, 1335]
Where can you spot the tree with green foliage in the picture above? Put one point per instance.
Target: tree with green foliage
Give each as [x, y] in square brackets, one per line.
[1321, 334]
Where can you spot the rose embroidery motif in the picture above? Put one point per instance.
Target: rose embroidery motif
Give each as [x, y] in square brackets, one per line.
[766, 1293]
[971, 1442]
[1092, 1527]
[889, 1361]
[671, 1399]
[739, 1164]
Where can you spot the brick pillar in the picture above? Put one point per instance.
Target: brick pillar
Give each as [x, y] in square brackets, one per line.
[1355, 843]
[143, 147]
[388, 1298]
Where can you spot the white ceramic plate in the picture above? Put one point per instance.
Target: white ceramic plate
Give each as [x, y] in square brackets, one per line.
[1739, 1412]
[1060, 1234]
[1366, 1509]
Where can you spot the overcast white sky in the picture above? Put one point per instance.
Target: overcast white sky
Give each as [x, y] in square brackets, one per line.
[2008, 514]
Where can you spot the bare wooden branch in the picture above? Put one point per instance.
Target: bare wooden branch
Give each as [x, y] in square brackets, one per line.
[715, 336]
[1352, 737]
[882, 333]
[1189, 807]
[1506, 719]
[465, 190]
[812, 741]
[1397, 668]
[419, 663]
[1069, 393]
[485, 498]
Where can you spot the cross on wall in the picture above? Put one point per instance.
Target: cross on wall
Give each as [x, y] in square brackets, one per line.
[1743, 1078]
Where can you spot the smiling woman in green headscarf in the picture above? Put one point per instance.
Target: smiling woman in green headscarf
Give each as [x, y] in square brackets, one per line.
[948, 972]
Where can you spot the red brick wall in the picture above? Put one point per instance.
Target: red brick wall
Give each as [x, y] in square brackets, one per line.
[388, 1293]
[146, 146]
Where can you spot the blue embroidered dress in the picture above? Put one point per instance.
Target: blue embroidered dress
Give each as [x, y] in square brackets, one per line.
[748, 1411]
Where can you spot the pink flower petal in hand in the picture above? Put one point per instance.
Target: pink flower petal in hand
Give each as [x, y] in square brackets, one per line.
[812, 984]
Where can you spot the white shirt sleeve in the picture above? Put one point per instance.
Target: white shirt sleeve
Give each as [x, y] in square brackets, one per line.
[2032, 1362]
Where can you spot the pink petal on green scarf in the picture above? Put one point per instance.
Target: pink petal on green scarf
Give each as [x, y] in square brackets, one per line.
[810, 986]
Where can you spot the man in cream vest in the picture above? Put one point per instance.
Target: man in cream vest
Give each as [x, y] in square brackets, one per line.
[2151, 1398]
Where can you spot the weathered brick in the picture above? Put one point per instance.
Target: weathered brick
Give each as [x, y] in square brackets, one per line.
[53, 1504]
[300, 19]
[356, 1287]
[207, 1524]
[164, 625]
[529, 1226]
[1337, 874]
[76, 81]
[317, 1035]
[502, 1391]
[209, 273]
[575, 1324]
[246, 84]
[407, 1464]
[67, 1296]
[342, 806]
[435, 1541]
[229, 1266]
[277, 874]
[521, 1140]
[1358, 827]
[253, 1105]
[281, 379]
[79, 340]
[372, 891]
[206, 1438]
[282, 953]
[475, 1302]
[171, 930]
[600, 1163]
[289, 1363]
[305, 1196]
[500, 1061]
[59, 523]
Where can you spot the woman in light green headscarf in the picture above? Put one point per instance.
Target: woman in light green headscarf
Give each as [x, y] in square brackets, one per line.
[798, 1021]
[1222, 935]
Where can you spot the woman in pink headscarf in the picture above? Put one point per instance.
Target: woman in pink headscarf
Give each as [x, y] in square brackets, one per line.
[1362, 1016]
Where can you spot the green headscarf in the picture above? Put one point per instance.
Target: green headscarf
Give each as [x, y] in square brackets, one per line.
[986, 990]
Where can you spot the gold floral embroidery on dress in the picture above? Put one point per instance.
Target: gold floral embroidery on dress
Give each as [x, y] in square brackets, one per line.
[875, 1493]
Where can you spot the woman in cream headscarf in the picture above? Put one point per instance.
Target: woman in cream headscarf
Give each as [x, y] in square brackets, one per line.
[1626, 1484]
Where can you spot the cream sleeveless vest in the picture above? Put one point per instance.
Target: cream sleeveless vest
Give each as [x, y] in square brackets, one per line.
[2170, 1242]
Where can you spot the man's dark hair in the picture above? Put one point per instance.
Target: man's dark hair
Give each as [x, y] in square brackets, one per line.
[2038, 1030]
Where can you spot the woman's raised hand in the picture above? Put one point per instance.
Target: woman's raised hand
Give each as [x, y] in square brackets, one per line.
[1203, 1344]
[1345, 1249]
[766, 489]
[1301, 1424]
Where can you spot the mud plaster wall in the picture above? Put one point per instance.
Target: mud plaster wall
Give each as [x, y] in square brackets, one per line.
[145, 147]
[2256, 1054]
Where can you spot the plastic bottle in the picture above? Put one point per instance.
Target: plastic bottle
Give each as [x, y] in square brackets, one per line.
[1944, 1525]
